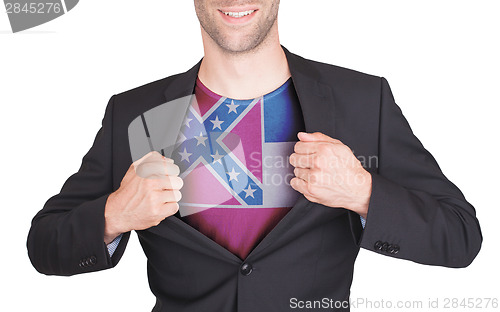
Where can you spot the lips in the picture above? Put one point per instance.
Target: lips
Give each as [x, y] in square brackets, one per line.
[237, 15]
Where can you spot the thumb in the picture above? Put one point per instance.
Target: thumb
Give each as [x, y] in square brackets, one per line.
[316, 136]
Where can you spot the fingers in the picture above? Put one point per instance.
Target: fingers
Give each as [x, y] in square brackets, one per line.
[311, 147]
[316, 136]
[170, 196]
[161, 184]
[148, 155]
[302, 147]
[172, 183]
[171, 208]
[301, 186]
[304, 174]
[303, 161]
[169, 160]
[157, 169]
[154, 156]
[311, 176]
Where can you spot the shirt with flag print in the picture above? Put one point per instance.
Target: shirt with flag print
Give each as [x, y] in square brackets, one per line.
[233, 157]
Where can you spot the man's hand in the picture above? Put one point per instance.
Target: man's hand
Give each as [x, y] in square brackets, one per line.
[327, 172]
[148, 193]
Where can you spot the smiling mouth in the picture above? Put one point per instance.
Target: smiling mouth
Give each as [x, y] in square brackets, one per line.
[239, 14]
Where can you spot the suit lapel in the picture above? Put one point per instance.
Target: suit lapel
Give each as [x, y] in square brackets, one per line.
[183, 84]
[318, 107]
[316, 98]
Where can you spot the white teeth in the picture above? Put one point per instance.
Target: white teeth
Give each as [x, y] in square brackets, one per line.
[239, 14]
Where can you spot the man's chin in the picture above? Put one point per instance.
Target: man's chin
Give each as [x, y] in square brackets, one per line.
[239, 45]
[239, 50]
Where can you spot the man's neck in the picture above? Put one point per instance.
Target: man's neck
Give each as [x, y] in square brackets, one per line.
[244, 76]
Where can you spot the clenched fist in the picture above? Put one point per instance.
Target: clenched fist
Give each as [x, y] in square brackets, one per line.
[148, 193]
[327, 172]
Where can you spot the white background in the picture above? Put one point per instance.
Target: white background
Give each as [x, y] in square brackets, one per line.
[440, 58]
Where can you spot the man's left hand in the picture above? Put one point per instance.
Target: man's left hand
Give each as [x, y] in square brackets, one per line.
[327, 172]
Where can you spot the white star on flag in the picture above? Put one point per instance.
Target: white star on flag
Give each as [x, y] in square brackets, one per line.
[249, 191]
[233, 175]
[185, 155]
[200, 139]
[232, 107]
[217, 123]
[217, 157]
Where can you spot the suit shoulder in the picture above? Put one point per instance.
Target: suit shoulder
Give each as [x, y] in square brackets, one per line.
[130, 104]
[152, 90]
[351, 88]
[339, 74]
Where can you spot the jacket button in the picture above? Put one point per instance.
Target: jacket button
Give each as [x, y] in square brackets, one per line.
[390, 249]
[246, 269]
[378, 245]
[83, 263]
[93, 260]
[384, 246]
[395, 249]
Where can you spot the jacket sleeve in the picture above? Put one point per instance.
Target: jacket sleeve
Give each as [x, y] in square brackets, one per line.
[415, 212]
[67, 236]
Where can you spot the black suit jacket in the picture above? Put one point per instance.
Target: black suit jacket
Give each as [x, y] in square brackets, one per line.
[415, 212]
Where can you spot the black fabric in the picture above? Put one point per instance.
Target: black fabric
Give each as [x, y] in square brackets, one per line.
[415, 212]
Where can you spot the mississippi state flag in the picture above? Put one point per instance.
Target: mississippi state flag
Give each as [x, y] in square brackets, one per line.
[235, 153]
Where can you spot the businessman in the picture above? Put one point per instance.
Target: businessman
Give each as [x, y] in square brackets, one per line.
[218, 232]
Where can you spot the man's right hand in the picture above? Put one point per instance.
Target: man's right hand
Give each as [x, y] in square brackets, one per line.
[148, 193]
